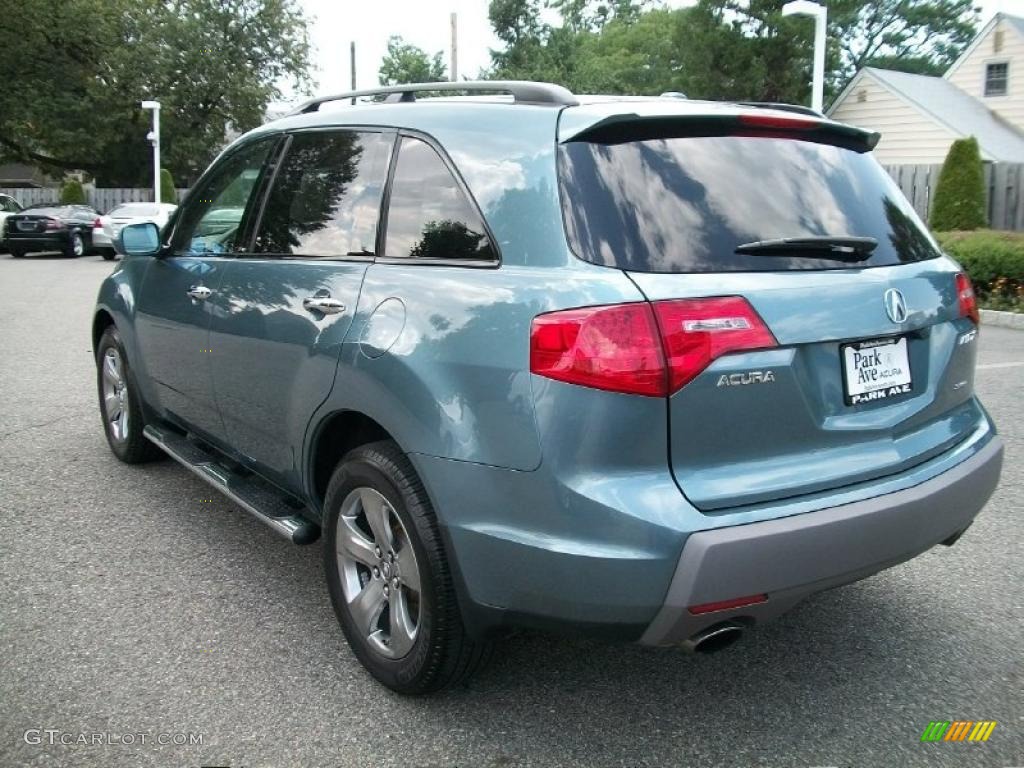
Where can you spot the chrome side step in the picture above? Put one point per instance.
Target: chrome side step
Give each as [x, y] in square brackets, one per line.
[251, 494]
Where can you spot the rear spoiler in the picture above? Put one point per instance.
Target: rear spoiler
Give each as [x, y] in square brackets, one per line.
[618, 129]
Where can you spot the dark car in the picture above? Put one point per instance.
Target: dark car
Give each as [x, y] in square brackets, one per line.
[51, 227]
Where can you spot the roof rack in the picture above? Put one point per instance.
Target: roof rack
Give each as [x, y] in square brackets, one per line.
[782, 106]
[523, 92]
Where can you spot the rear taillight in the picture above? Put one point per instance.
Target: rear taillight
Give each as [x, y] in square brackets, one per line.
[698, 331]
[97, 223]
[968, 301]
[640, 348]
[54, 224]
[610, 347]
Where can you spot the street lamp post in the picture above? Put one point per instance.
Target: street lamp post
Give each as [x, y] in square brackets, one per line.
[154, 139]
[820, 14]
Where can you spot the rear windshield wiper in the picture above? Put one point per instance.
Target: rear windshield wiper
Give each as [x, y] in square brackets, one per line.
[849, 249]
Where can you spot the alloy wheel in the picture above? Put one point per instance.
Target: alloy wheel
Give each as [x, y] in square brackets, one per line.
[379, 574]
[115, 395]
[77, 245]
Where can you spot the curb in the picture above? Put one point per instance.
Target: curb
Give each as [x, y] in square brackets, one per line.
[1002, 319]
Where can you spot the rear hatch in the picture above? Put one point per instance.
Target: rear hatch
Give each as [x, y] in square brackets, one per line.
[845, 354]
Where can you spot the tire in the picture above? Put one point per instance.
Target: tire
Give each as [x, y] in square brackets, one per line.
[108, 255]
[16, 253]
[377, 479]
[75, 246]
[120, 409]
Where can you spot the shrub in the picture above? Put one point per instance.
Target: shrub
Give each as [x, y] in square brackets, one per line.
[71, 192]
[167, 192]
[959, 202]
[995, 263]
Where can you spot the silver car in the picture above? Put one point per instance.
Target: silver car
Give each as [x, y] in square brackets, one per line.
[106, 228]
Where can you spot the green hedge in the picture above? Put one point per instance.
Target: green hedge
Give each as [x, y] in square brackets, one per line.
[167, 192]
[995, 263]
[72, 193]
[959, 202]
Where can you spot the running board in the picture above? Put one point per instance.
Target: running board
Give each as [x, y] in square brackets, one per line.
[251, 494]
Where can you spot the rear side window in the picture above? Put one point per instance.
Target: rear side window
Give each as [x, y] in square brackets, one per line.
[686, 204]
[429, 216]
[326, 198]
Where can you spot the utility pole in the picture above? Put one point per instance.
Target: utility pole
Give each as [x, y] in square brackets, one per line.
[352, 61]
[154, 139]
[820, 15]
[455, 47]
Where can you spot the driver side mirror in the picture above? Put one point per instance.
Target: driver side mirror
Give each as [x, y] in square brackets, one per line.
[138, 240]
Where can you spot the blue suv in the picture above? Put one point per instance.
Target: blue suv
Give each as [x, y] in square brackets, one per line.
[647, 368]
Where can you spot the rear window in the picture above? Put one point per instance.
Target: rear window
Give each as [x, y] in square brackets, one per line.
[686, 204]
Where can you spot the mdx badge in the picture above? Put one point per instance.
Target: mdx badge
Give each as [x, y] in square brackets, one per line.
[895, 306]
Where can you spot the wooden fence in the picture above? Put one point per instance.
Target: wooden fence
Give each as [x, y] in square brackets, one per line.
[1003, 182]
[102, 199]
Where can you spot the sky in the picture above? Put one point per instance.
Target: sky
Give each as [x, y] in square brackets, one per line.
[427, 24]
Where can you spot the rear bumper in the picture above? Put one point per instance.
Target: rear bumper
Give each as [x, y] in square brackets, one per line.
[789, 558]
[38, 242]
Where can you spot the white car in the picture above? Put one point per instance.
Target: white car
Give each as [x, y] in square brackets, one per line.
[107, 227]
[8, 205]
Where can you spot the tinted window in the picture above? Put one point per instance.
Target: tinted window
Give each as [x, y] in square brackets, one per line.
[326, 197]
[685, 204]
[211, 220]
[429, 216]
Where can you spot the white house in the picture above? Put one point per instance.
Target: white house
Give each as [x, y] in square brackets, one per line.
[919, 116]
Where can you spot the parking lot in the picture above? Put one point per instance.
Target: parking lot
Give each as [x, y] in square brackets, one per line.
[137, 601]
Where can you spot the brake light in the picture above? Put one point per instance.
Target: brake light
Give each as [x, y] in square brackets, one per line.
[698, 331]
[97, 223]
[779, 122]
[968, 301]
[615, 348]
[641, 348]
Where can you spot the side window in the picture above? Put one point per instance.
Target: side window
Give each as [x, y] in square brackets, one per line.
[212, 217]
[429, 216]
[326, 197]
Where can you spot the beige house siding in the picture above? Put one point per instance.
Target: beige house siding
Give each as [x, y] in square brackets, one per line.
[969, 74]
[908, 135]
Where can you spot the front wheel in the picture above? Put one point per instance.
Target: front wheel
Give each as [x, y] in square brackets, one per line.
[388, 576]
[123, 421]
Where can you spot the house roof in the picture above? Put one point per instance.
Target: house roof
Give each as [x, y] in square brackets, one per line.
[950, 107]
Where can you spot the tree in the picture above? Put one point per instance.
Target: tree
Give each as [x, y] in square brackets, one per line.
[721, 49]
[959, 202]
[211, 64]
[168, 194]
[405, 63]
[71, 192]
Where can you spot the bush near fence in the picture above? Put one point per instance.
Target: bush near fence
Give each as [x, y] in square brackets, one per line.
[995, 263]
[103, 199]
[1004, 203]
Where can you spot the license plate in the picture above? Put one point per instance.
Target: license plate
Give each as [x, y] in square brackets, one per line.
[875, 370]
[26, 226]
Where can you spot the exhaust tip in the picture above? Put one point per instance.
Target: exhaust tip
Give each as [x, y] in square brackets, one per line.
[714, 638]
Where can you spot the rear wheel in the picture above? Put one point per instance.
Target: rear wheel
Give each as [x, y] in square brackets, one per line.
[123, 420]
[17, 253]
[389, 578]
[75, 246]
[108, 254]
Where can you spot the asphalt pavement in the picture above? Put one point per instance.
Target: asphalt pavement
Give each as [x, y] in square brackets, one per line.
[138, 605]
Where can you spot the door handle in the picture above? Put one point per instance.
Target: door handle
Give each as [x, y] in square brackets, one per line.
[323, 304]
[199, 292]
